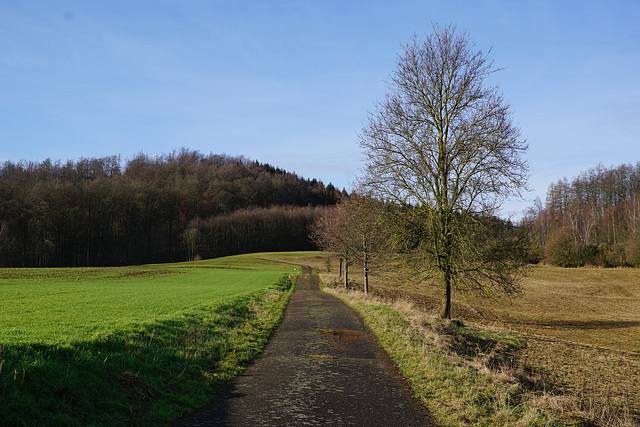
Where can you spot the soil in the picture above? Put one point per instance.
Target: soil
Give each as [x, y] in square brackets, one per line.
[322, 366]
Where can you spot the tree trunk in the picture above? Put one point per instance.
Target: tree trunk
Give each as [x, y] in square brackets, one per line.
[366, 273]
[444, 255]
[346, 274]
[365, 257]
[445, 310]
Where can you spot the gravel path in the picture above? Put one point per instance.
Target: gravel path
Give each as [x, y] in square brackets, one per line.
[320, 367]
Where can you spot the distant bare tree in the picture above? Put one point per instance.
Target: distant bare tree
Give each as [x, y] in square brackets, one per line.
[330, 231]
[366, 235]
[443, 144]
[190, 237]
[355, 231]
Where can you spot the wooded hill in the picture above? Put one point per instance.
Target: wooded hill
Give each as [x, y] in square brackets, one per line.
[173, 207]
[594, 219]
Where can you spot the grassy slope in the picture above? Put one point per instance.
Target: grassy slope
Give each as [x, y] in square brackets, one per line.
[131, 345]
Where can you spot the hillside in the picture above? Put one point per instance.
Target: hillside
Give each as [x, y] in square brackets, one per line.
[106, 211]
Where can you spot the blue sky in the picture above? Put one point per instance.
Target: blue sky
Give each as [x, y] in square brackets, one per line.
[290, 82]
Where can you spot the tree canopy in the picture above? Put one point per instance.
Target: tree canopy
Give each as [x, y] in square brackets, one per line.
[443, 144]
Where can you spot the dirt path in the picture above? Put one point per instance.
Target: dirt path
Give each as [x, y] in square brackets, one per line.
[320, 367]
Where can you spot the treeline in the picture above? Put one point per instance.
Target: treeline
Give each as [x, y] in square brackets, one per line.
[104, 211]
[593, 219]
[275, 229]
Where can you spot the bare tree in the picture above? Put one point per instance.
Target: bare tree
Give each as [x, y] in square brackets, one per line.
[190, 237]
[330, 231]
[354, 231]
[443, 144]
[365, 232]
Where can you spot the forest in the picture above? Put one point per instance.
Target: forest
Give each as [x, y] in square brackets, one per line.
[593, 219]
[149, 209]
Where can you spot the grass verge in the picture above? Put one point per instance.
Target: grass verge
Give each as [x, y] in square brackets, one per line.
[469, 375]
[139, 373]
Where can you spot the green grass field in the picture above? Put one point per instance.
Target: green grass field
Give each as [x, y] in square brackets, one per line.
[123, 345]
[66, 305]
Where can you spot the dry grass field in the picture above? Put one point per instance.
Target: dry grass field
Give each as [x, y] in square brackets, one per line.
[594, 306]
[581, 328]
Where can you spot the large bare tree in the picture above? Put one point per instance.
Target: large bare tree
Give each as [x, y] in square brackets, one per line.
[443, 145]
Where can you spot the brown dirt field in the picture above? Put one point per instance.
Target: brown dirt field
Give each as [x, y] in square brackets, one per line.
[588, 372]
[593, 306]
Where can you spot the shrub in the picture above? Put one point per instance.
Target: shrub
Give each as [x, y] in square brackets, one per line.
[561, 249]
[632, 250]
[616, 257]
